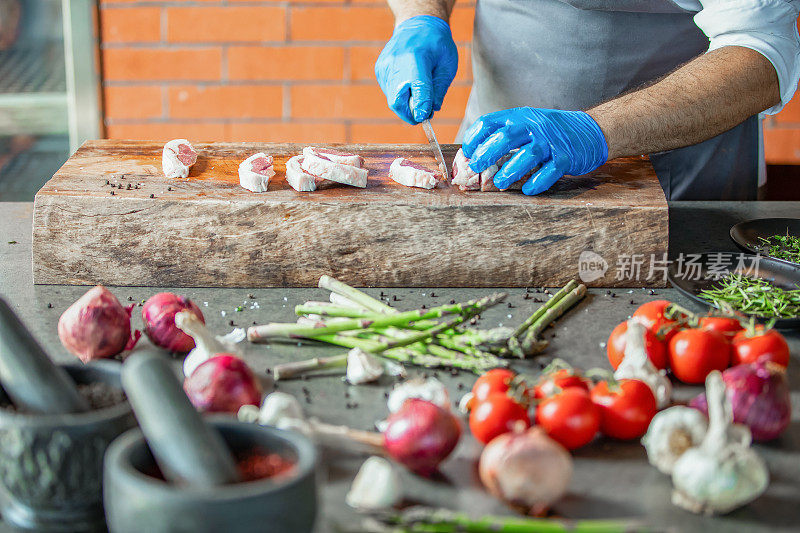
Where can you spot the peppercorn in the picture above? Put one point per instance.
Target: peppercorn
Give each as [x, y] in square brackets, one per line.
[152, 196]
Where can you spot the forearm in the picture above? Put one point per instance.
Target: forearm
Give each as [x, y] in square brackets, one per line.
[405, 9]
[709, 95]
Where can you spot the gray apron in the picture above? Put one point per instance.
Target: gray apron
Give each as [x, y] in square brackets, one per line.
[575, 54]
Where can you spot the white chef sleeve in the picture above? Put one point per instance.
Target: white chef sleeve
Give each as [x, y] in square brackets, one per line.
[766, 26]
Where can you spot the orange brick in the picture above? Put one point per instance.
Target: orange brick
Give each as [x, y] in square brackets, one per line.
[339, 101]
[233, 101]
[285, 63]
[362, 63]
[132, 102]
[160, 64]
[400, 132]
[134, 25]
[200, 132]
[461, 22]
[341, 23]
[288, 132]
[226, 24]
[790, 114]
[782, 146]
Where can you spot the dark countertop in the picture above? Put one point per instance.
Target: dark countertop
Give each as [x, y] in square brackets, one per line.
[611, 479]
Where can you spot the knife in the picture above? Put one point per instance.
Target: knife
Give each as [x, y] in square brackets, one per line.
[437, 150]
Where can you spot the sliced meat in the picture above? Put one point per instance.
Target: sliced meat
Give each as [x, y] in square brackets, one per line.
[463, 176]
[323, 167]
[410, 174]
[345, 158]
[302, 181]
[177, 158]
[255, 172]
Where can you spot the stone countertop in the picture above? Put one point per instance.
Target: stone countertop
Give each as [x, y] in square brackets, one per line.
[611, 479]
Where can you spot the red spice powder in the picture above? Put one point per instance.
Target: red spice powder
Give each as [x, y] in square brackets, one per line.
[258, 465]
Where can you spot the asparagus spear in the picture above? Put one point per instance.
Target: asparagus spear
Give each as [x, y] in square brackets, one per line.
[292, 330]
[425, 520]
[355, 295]
[531, 343]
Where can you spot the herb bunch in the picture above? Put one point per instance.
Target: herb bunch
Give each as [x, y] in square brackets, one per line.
[754, 296]
[786, 247]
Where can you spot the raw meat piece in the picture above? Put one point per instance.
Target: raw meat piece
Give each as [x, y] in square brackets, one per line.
[463, 176]
[344, 158]
[410, 174]
[323, 167]
[255, 172]
[177, 158]
[468, 180]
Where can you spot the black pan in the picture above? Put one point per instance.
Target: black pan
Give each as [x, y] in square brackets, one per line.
[746, 234]
[690, 280]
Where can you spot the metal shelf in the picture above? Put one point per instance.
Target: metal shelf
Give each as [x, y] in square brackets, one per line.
[33, 70]
[27, 171]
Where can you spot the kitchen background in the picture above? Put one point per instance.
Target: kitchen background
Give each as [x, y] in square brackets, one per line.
[225, 71]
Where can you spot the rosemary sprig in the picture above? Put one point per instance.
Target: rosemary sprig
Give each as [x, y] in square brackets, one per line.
[786, 247]
[754, 296]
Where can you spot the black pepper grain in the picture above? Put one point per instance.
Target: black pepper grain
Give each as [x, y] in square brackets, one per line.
[169, 188]
[433, 295]
[510, 306]
[652, 292]
[112, 193]
[152, 196]
[633, 303]
[230, 323]
[452, 302]
[108, 182]
[423, 306]
[49, 306]
[395, 298]
[526, 297]
[251, 296]
[460, 386]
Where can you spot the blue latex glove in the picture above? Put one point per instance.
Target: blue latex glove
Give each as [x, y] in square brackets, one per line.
[563, 142]
[417, 66]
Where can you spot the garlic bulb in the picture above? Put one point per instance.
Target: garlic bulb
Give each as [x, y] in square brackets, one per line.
[376, 486]
[723, 473]
[362, 367]
[430, 389]
[671, 433]
[206, 344]
[636, 365]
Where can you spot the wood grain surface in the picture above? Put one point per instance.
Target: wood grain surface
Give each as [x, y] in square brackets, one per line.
[208, 231]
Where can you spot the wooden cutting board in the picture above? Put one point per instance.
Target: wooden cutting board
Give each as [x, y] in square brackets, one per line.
[110, 216]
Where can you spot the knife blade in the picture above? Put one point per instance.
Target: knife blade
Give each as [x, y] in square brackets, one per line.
[437, 150]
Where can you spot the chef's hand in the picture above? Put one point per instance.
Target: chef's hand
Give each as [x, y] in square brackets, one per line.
[562, 142]
[417, 66]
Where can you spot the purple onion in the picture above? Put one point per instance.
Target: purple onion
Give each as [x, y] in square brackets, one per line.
[759, 393]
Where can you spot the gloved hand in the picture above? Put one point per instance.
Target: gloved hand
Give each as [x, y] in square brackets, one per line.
[563, 142]
[417, 66]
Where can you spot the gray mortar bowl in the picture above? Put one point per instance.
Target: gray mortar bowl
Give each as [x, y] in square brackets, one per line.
[51, 466]
[137, 502]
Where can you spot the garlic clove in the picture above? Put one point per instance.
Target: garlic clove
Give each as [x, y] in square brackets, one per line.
[376, 486]
[637, 365]
[672, 432]
[206, 344]
[362, 367]
[430, 389]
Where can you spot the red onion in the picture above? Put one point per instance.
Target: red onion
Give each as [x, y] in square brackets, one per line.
[96, 326]
[759, 393]
[526, 469]
[222, 384]
[421, 435]
[158, 314]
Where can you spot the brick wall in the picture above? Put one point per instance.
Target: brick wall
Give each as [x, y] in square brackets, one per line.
[287, 70]
[259, 71]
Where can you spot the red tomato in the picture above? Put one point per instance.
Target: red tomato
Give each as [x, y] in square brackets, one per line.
[615, 347]
[554, 382]
[748, 348]
[626, 410]
[651, 315]
[495, 415]
[569, 417]
[728, 326]
[694, 353]
[496, 380]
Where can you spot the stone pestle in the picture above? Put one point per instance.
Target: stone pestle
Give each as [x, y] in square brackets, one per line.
[188, 450]
[29, 377]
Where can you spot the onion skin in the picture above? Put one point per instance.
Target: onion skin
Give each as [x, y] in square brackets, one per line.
[759, 393]
[420, 435]
[222, 384]
[526, 469]
[158, 314]
[96, 326]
